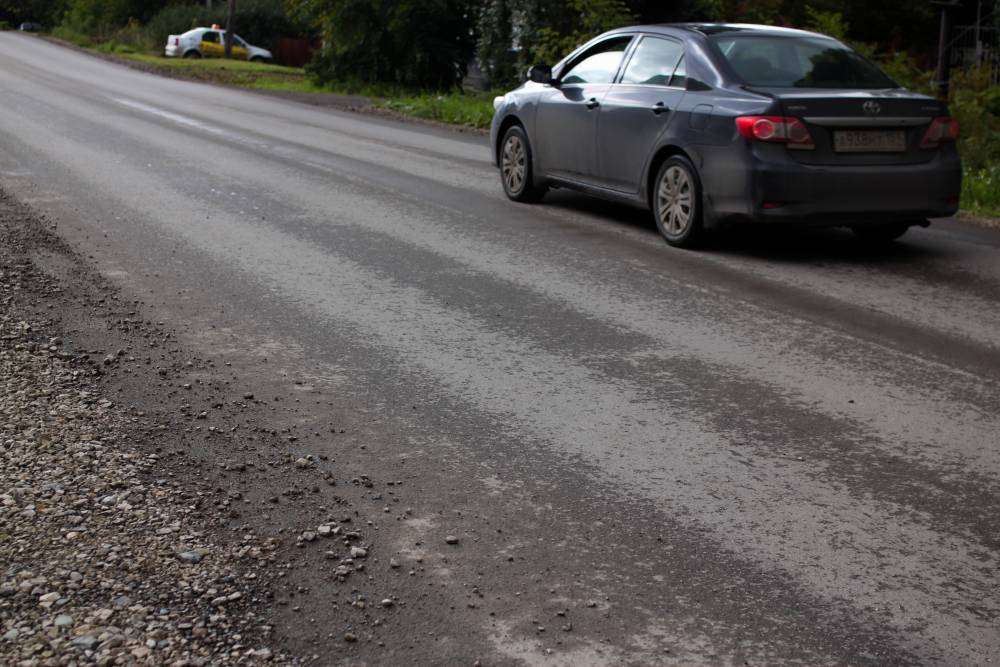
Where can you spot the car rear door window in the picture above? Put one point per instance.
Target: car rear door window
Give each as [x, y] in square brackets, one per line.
[653, 62]
[599, 64]
[212, 37]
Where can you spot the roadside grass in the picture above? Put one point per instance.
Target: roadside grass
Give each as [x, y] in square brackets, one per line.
[981, 192]
[470, 109]
[227, 72]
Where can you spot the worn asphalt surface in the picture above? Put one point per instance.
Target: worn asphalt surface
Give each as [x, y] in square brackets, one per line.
[782, 450]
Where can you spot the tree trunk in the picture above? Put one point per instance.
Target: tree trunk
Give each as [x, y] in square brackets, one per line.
[229, 28]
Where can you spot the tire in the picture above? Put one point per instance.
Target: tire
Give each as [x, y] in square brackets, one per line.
[676, 202]
[880, 234]
[256, 59]
[192, 54]
[516, 171]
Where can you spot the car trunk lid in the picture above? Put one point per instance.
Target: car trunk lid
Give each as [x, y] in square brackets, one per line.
[861, 127]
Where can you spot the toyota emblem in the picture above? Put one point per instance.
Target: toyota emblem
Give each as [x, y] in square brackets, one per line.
[871, 108]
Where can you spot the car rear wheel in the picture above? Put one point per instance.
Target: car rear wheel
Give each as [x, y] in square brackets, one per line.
[516, 172]
[192, 54]
[677, 202]
[880, 234]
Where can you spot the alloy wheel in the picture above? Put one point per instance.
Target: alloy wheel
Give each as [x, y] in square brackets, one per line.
[514, 164]
[675, 205]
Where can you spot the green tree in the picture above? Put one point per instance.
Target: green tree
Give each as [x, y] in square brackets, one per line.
[515, 34]
[46, 12]
[590, 18]
[495, 51]
[100, 19]
[425, 43]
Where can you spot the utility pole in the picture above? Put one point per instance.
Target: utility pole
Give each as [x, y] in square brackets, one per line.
[229, 28]
[208, 5]
[943, 73]
[979, 38]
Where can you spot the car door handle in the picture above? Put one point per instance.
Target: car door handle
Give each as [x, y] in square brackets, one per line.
[659, 108]
[592, 103]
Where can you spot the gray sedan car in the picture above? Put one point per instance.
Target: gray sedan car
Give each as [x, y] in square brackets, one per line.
[709, 125]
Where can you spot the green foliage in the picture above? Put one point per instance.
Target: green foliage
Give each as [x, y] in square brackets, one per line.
[259, 22]
[827, 23]
[144, 25]
[591, 18]
[114, 47]
[510, 34]
[4, 25]
[497, 57]
[903, 69]
[975, 101]
[976, 105]
[981, 191]
[426, 43]
[171, 20]
[101, 19]
[46, 12]
[64, 33]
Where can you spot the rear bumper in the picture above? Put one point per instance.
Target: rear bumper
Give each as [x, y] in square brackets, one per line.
[172, 51]
[779, 189]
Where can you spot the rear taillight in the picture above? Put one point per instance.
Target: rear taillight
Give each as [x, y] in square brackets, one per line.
[776, 129]
[941, 129]
[177, 41]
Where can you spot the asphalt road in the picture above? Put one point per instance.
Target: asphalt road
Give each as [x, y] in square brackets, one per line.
[782, 450]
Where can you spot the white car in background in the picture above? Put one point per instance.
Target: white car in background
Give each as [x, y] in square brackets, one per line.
[211, 43]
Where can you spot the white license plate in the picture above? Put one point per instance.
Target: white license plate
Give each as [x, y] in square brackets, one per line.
[869, 141]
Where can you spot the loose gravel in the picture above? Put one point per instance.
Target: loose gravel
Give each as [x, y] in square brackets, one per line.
[103, 562]
[162, 505]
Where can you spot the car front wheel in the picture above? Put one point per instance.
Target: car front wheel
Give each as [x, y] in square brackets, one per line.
[676, 202]
[516, 172]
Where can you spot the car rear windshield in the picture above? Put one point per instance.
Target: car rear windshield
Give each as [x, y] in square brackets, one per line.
[773, 61]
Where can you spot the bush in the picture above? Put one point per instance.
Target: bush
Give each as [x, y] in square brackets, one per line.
[425, 43]
[64, 33]
[975, 102]
[171, 20]
[98, 19]
[976, 105]
[981, 191]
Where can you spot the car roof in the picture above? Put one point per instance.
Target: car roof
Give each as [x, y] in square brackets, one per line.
[709, 29]
[204, 29]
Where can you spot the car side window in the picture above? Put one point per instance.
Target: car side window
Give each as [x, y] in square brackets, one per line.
[599, 64]
[212, 37]
[653, 62]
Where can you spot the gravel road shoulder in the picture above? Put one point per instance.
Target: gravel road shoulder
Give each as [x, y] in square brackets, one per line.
[148, 514]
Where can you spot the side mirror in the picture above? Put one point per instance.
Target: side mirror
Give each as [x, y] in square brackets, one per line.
[540, 74]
